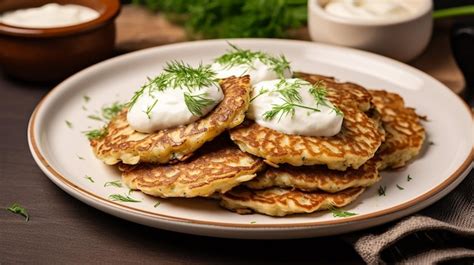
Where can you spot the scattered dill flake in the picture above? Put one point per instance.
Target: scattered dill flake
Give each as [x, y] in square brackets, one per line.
[122, 198]
[253, 222]
[84, 108]
[111, 111]
[431, 143]
[116, 183]
[89, 178]
[95, 117]
[157, 204]
[18, 209]
[382, 190]
[80, 157]
[409, 178]
[400, 187]
[86, 98]
[69, 124]
[96, 134]
[340, 213]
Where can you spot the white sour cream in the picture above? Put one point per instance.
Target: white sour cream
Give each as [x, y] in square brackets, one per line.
[258, 71]
[304, 121]
[170, 109]
[370, 9]
[49, 16]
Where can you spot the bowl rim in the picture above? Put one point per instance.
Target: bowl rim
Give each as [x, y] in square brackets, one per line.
[112, 9]
[315, 9]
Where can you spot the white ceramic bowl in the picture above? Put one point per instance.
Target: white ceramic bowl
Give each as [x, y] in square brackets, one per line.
[402, 39]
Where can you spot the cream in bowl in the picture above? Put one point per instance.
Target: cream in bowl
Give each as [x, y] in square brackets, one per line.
[400, 29]
[49, 16]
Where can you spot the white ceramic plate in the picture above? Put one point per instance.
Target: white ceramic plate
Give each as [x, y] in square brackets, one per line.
[57, 148]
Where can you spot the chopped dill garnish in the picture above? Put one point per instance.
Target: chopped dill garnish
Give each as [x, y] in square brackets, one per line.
[69, 124]
[84, 108]
[382, 190]
[409, 177]
[18, 209]
[431, 143]
[96, 133]
[122, 198]
[339, 213]
[289, 91]
[116, 183]
[196, 103]
[253, 222]
[80, 157]
[89, 178]
[86, 98]
[400, 187]
[157, 204]
[150, 108]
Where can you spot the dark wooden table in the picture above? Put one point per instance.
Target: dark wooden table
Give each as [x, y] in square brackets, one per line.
[65, 230]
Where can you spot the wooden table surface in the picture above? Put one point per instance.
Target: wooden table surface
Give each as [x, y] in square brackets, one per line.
[65, 230]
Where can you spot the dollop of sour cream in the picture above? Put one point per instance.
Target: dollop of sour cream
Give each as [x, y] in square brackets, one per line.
[49, 16]
[258, 65]
[309, 118]
[171, 106]
[370, 9]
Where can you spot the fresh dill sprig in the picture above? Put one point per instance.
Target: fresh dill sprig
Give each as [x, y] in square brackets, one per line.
[89, 178]
[261, 92]
[400, 187]
[96, 134]
[18, 209]
[122, 198]
[150, 108]
[238, 56]
[319, 93]
[285, 109]
[382, 190]
[289, 91]
[339, 213]
[157, 204]
[196, 103]
[178, 74]
[116, 183]
[69, 124]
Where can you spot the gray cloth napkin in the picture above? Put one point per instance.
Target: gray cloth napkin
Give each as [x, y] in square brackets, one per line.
[441, 233]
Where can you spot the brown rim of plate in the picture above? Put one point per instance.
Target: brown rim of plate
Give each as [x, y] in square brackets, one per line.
[356, 218]
[111, 10]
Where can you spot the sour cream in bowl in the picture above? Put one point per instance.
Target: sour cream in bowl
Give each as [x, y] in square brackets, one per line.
[400, 29]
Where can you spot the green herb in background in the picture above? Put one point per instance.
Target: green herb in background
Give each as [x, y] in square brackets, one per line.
[17, 209]
[233, 18]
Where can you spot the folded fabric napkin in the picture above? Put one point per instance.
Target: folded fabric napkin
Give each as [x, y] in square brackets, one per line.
[443, 232]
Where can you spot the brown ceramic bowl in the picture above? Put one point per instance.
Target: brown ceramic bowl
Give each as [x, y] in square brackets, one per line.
[52, 54]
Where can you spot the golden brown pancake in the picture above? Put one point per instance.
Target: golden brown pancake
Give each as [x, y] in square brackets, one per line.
[281, 202]
[313, 178]
[122, 143]
[215, 168]
[404, 132]
[356, 143]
